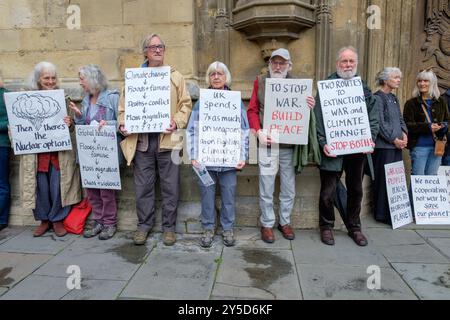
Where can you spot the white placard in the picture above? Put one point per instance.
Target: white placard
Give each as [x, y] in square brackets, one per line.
[203, 175]
[286, 111]
[445, 171]
[36, 119]
[219, 134]
[397, 191]
[147, 99]
[431, 205]
[345, 118]
[97, 153]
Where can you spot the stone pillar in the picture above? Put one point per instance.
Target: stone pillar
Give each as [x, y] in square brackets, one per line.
[222, 32]
[323, 33]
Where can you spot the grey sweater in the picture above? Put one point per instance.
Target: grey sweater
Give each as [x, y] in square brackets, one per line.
[392, 124]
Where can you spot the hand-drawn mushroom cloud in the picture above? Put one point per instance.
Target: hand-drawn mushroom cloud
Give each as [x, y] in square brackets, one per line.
[35, 108]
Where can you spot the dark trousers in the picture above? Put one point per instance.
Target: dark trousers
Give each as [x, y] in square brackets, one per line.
[104, 205]
[146, 165]
[353, 167]
[380, 198]
[5, 189]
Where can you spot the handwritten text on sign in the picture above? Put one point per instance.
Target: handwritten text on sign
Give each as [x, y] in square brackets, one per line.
[445, 171]
[99, 162]
[398, 197]
[430, 196]
[219, 128]
[147, 99]
[36, 119]
[345, 116]
[286, 111]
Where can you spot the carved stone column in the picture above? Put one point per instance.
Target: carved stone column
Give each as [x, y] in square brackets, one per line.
[323, 33]
[222, 33]
[272, 23]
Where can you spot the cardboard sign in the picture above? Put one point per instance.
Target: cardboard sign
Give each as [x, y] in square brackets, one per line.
[397, 191]
[147, 99]
[286, 111]
[431, 205]
[97, 153]
[219, 130]
[445, 171]
[36, 119]
[345, 118]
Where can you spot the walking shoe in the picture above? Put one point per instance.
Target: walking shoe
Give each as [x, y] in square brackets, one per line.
[358, 237]
[58, 228]
[267, 235]
[169, 238]
[326, 236]
[140, 237]
[42, 228]
[287, 231]
[107, 232]
[228, 238]
[93, 230]
[207, 238]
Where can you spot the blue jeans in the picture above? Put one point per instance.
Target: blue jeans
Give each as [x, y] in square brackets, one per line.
[424, 162]
[227, 180]
[4, 185]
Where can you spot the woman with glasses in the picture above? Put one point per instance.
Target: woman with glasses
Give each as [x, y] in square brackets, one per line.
[426, 116]
[50, 182]
[218, 77]
[392, 137]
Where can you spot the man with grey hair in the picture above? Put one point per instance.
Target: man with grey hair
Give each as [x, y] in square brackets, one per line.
[280, 65]
[151, 153]
[332, 166]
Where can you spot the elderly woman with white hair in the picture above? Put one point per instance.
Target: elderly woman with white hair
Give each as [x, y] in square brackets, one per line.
[50, 182]
[426, 116]
[100, 105]
[4, 161]
[218, 77]
[391, 139]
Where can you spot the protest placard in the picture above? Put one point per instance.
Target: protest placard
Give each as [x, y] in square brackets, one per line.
[397, 191]
[147, 99]
[36, 119]
[445, 171]
[97, 153]
[345, 118]
[286, 111]
[430, 195]
[219, 142]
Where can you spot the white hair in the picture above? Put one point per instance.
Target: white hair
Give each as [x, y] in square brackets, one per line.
[36, 74]
[95, 78]
[341, 50]
[216, 65]
[383, 76]
[147, 40]
[430, 76]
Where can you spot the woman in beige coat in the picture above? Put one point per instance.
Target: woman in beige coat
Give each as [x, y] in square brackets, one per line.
[50, 182]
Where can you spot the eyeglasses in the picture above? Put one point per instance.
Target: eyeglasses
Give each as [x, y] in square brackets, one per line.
[154, 48]
[216, 74]
[279, 63]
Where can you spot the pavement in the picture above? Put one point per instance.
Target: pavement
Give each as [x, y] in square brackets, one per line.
[409, 263]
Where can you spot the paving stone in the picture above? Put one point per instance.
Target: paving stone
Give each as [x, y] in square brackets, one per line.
[251, 238]
[309, 249]
[47, 244]
[442, 244]
[37, 287]
[429, 281]
[434, 233]
[114, 259]
[96, 290]
[419, 253]
[344, 282]
[389, 237]
[2, 291]
[11, 232]
[175, 275]
[255, 273]
[14, 267]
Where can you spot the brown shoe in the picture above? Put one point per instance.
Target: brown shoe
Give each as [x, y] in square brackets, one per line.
[42, 228]
[58, 228]
[326, 236]
[267, 235]
[287, 231]
[358, 237]
[169, 238]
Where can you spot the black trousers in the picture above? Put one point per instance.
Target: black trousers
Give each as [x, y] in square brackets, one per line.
[353, 167]
[380, 198]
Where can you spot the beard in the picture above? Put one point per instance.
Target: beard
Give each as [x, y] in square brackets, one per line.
[280, 74]
[346, 74]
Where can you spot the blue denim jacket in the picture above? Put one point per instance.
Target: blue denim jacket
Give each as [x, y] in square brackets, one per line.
[106, 109]
[192, 136]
